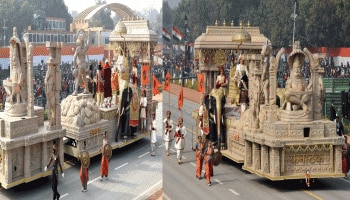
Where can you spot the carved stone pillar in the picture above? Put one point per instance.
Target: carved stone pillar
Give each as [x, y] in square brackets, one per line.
[248, 154]
[265, 168]
[8, 166]
[27, 167]
[275, 167]
[337, 159]
[44, 155]
[54, 64]
[256, 156]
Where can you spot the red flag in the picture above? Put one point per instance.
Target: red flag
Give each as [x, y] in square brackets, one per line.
[180, 102]
[156, 85]
[167, 82]
[144, 75]
[200, 78]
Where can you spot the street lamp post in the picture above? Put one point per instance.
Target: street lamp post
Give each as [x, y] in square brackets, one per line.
[5, 28]
[182, 71]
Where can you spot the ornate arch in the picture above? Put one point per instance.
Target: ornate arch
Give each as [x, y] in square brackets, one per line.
[82, 20]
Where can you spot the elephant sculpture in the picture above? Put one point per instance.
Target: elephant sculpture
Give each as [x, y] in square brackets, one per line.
[215, 104]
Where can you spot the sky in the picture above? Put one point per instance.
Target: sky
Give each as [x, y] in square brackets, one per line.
[139, 5]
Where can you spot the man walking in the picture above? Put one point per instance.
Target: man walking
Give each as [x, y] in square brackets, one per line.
[179, 137]
[55, 159]
[168, 136]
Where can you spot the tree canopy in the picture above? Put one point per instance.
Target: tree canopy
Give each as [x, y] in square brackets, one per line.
[318, 22]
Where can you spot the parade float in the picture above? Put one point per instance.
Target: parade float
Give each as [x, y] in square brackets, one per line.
[86, 119]
[28, 132]
[291, 140]
[25, 140]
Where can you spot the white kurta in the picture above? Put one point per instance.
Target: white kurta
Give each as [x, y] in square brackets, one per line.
[180, 141]
[143, 104]
[168, 136]
[153, 133]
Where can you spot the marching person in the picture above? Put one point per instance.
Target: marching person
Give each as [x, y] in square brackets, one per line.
[168, 136]
[208, 156]
[84, 173]
[199, 157]
[153, 134]
[55, 159]
[179, 136]
[143, 111]
[104, 160]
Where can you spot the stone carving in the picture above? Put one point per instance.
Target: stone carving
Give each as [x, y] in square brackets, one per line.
[15, 85]
[266, 52]
[78, 111]
[81, 68]
[298, 93]
[53, 83]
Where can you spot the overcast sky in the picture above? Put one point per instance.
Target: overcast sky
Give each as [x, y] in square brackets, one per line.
[139, 5]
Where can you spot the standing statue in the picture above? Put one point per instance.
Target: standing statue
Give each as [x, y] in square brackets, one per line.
[266, 52]
[15, 95]
[80, 66]
[50, 92]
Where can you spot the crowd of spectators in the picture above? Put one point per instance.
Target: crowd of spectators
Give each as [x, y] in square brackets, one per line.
[171, 63]
[67, 80]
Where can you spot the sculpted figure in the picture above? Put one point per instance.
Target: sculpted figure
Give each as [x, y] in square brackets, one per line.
[15, 93]
[50, 91]
[266, 52]
[296, 88]
[80, 66]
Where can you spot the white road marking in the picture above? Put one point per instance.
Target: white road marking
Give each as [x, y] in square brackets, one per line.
[120, 166]
[141, 196]
[160, 146]
[172, 150]
[193, 164]
[93, 180]
[234, 192]
[345, 180]
[184, 157]
[217, 180]
[64, 195]
[143, 154]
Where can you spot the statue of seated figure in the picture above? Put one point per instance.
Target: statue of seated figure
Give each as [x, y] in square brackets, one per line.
[298, 93]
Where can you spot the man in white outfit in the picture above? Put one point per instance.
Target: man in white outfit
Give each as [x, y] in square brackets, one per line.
[179, 136]
[153, 134]
[143, 115]
[168, 136]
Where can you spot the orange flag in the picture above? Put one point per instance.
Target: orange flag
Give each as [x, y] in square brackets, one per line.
[167, 82]
[200, 78]
[156, 85]
[180, 102]
[144, 75]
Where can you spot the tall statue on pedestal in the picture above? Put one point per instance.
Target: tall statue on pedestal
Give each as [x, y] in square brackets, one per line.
[81, 69]
[16, 85]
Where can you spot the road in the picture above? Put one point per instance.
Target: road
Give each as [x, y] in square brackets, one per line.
[133, 174]
[230, 181]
